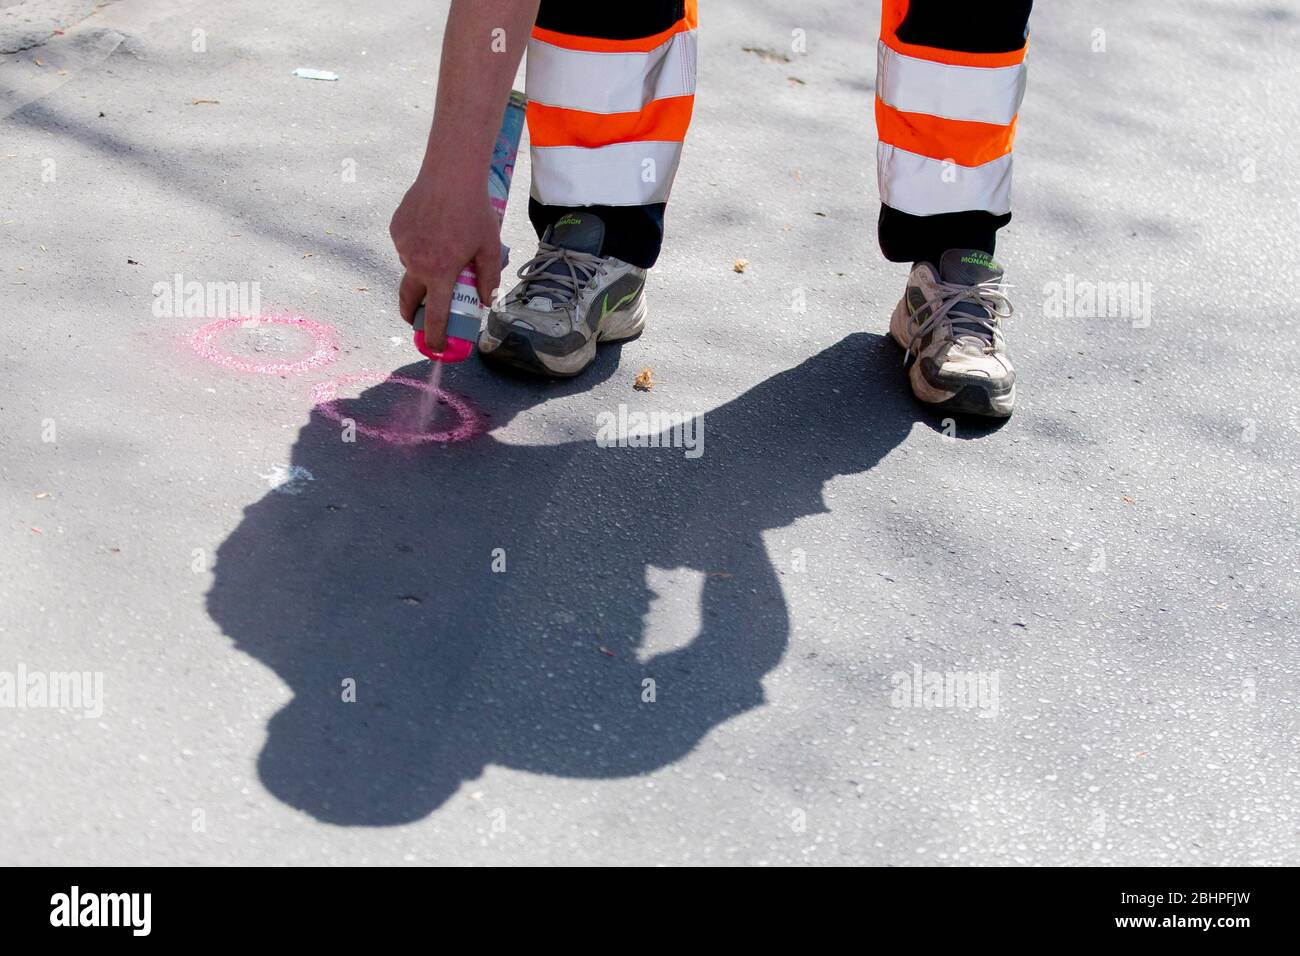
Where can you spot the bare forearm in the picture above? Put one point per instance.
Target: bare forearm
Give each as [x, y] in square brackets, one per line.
[481, 49]
[445, 219]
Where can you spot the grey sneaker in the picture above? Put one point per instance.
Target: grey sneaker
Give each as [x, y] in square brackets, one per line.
[569, 298]
[949, 321]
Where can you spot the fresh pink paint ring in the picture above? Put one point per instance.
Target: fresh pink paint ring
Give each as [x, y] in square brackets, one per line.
[204, 342]
[325, 397]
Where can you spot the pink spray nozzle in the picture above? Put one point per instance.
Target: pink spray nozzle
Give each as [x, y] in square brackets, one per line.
[462, 332]
[457, 350]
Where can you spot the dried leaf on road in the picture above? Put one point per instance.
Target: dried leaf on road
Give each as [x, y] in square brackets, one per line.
[763, 53]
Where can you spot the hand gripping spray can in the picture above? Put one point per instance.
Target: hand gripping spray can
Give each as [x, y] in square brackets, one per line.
[467, 312]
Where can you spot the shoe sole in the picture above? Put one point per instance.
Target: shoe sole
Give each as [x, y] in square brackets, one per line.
[518, 351]
[970, 399]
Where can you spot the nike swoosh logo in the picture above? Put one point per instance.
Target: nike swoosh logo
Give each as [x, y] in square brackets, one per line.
[606, 310]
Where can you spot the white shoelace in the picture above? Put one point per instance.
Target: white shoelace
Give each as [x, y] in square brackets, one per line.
[987, 295]
[560, 288]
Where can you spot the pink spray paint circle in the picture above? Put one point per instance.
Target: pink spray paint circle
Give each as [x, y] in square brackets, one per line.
[468, 423]
[205, 341]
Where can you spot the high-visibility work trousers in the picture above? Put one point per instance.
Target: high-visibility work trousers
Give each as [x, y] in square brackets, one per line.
[611, 88]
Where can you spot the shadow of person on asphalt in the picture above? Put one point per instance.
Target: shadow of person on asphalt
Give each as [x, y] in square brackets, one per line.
[536, 668]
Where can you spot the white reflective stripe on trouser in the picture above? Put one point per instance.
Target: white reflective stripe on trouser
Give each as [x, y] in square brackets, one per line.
[621, 174]
[973, 93]
[923, 186]
[610, 82]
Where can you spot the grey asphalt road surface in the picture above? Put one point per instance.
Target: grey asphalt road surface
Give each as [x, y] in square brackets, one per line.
[847, 632]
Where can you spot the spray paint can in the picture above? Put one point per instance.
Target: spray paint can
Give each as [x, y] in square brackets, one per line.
[467, 312]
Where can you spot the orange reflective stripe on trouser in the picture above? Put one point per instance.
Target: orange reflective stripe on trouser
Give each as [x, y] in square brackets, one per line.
[665, 120]
[958, 141]
[607, 115]
[946, 122]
